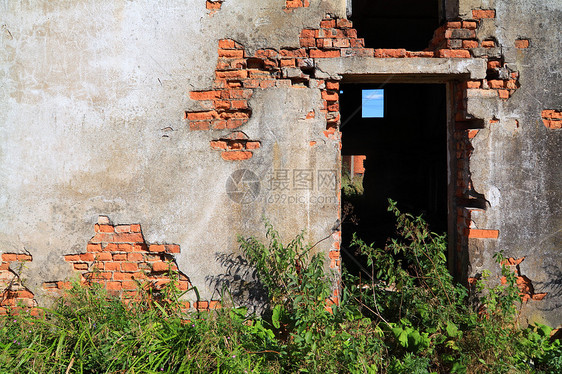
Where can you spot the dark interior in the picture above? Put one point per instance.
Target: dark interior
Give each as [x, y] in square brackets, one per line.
[405, 24]
[406, 158]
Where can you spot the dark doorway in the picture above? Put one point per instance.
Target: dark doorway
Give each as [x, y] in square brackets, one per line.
[399, 149]
[405, 24]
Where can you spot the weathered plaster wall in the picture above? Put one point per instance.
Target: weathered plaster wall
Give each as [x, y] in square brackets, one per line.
[516, 161]
[92, 102]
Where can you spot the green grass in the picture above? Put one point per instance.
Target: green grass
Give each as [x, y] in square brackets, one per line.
[409, 318]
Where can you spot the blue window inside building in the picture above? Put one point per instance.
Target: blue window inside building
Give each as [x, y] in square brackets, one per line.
[372, 103]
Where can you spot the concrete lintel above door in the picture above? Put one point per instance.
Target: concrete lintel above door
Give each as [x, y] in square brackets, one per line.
[411, 70]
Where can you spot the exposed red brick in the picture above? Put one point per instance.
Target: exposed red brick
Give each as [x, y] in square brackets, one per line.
[512, 84]
[307, 42]
[214, 304]
[103, 275]
[24, 294]
[267, 53]
[522, 43]
[9, 257]
[473, 84]
[23, 257]
[291, 4]
[512, 261]
[390, 53]
[316, 53]
[496, 83]
[328, 23]
[111, 247]
[483, 13]
[334, 254]
[324, 43]
[103, 228]
[81, 266]
[494, 64]
[206, 115]
[119, 257]
[472, 133]
[344, 23]
[118, 276]
[129, 285]
[288, 63]
[201, 305]
[71, 258]
[125, 247]
[231, 53]
[551, 118]
[236, 155]
[157, 248]
[104, 256]
[253, 145]
[160, 266]
[471, 25]
[551, 113]
[552, 124]
[123, 228]
[85, 257]
[469, 44]
[308, 33]
[232, 74]
[488, 44]
[350, 33]
[453, 53]
[234, 123]
[483, 233]
[426, 54]
[357, 43]
[93, 247]
[229, 44]
[503, 94]
[330, 96]
[129, 238]
[112, 285]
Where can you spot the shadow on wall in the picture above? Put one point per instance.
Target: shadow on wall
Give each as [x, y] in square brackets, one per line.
[554, 287]
[238, 284]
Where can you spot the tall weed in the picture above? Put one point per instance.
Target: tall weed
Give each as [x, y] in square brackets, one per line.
[410, 317]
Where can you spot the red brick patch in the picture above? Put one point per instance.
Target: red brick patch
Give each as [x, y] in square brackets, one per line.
[552, 119]
[121, 261]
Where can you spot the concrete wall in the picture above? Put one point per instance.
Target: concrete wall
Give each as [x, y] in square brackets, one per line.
[92, 104]
[93, 97]
[516, 161]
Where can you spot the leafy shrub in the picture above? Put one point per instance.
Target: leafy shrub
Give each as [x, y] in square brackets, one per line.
[316, 339]
[409, 318]
[89, 331]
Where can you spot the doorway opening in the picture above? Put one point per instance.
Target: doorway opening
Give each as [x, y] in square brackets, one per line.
[405, 24]
[394, 145]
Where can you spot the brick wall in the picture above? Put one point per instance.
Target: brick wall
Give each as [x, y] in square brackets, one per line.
[119, 259]
[551, 118]
[14, 296]
[225, 106]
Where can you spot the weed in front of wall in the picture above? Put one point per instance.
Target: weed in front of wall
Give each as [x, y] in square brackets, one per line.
[410, 317]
